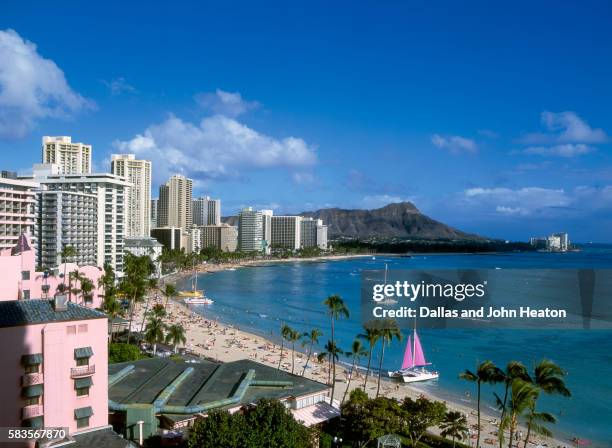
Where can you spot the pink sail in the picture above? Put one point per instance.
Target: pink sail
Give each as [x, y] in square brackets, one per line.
[407, 364]
[419, 356]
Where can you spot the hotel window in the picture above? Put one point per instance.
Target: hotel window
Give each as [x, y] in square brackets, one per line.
[82, 355]
[82, 416]
[32, 401]
[82, 385]
[31, 369]
[25, 275]
[71, 329]
[26, 294]
[83, 328]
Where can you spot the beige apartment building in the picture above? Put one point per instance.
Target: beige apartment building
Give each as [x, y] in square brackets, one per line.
[175, 202]
[72, 158]
[17, 210]
[137, 173]
[223, 237]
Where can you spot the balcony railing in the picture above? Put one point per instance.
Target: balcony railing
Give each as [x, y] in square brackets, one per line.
[76, 372]
[31, 379]
[35, 410]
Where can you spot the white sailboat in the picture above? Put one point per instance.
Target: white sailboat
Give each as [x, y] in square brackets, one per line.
[413, 367]
[195, 296]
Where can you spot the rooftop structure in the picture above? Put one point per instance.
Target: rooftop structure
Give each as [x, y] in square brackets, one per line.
[175, 393]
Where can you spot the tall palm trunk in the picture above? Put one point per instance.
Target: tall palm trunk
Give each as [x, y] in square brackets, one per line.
[528, 427]
[144, 315]
[478, 407]
[512, 429]
[500, 434]
[365, 382]
[333, 360]
[348, 386]
[307, 358]
[132, 307]
[280, 359]
[382, 356]
[292, 357]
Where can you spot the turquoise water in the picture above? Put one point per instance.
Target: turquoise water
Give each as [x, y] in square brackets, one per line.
[259, 299]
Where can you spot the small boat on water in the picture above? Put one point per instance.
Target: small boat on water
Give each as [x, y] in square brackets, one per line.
[195, 296]
[413, 367]
[199, 301]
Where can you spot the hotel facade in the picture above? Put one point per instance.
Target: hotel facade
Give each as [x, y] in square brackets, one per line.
[71, 158]
[17, 210]
[138, 174]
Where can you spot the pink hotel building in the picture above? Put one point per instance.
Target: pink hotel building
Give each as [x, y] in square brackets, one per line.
[54, 353]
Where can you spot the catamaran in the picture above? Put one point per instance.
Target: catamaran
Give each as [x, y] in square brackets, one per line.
[413, 367]
[195, 296]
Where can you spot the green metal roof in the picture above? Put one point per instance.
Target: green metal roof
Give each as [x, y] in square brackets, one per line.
[208, 382]
[14, 313]
[32, 391]
[32, 359]
[83, 412]
[83, 352]
[79, 383]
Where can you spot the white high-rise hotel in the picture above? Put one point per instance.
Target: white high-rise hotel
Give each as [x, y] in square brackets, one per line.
[137, 173]
[17, 201]
[72, 158]
[250, 230]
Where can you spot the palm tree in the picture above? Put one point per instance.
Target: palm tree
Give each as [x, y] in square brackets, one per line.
[514, 369]
[293, 336]
[372, 335]
[285, 330]
[67, 253]
[332, 352]
[135, 283]
[336, 308]
[112, 307]
[176, 336]
[389, 331]
[357, 351]
[486, 372]
[310, 339]
[158, 311]
[154, 332]
[547, 378]
[87, 287]
[454, 426]
[169, 291]
[523, 395]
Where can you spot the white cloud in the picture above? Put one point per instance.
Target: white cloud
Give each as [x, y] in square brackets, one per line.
[225, 103]
[303, 178]
[564, 150]
[31, 87]
[118, 86]
[565, 127]
[455, 144]
[218, 146]
[488, 133]
[522, 201]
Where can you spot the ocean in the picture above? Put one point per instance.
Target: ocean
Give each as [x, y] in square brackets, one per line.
[260, 298]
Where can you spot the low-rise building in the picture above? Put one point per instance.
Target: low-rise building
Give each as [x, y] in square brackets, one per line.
[21, 281]
[168, 394]
[145, 246]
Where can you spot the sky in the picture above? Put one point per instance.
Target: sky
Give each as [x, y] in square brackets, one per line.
[491, 117]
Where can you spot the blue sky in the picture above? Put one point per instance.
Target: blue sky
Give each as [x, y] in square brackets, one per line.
[494, 118]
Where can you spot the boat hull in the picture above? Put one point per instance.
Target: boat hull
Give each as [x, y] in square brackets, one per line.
[414, 376]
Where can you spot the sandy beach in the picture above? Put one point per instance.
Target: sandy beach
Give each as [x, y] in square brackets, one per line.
[221, 342]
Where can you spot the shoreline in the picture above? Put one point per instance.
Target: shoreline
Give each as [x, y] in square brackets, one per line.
[222, 342]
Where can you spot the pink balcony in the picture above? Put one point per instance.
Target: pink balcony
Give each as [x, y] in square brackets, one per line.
[31, 379]
[35, 410]
[77, 372]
